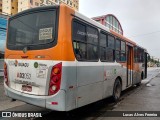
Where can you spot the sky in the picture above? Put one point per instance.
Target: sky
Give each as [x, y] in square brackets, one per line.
[140, 19]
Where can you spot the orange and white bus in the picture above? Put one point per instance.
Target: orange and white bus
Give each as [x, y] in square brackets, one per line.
[59, 59]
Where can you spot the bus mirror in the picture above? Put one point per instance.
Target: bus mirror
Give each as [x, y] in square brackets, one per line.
[148, 58]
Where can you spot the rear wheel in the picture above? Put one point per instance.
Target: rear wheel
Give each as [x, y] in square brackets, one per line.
[117, 90]
[138, 84]
[142, 76]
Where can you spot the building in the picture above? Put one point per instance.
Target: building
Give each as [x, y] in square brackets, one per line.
[12, 7]
[0, 6]
[27, 4]
[9, 7]
[3, 25]
[111, 22]
[72, 3]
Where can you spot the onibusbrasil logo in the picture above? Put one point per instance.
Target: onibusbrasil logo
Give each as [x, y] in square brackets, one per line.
[21, 114]
[36, 64]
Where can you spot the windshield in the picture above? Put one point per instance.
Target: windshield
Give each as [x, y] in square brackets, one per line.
[30, 29]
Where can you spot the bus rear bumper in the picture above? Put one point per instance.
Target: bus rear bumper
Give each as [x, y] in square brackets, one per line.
[54, 102]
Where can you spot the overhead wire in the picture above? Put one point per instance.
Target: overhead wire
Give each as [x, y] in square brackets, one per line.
[145, 34]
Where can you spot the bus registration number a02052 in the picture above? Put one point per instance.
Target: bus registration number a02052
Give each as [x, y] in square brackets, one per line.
[27, 88]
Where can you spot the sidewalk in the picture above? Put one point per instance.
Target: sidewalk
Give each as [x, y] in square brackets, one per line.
[151, 73]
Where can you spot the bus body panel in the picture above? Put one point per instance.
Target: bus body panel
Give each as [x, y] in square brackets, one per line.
[35, 73]
[111, 72]
[89, 78]
[69, 84]
[89, 93]
[138, 71]
[23, 72]
[99, 78]
[55, 102]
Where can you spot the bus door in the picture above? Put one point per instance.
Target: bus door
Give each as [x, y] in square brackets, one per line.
[129, 65]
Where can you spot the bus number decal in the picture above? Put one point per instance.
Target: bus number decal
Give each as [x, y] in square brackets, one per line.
[24, 75]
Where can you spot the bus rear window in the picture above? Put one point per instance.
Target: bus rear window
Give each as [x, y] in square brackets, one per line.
[32, 29]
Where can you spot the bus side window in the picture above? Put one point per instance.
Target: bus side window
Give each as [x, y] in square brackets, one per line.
[85, 39]
[92, 52]
[92, 43]
[80, 50]
[123, 51]
[110, 50]
[78, 54]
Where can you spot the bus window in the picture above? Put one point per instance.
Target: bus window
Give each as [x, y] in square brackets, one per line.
[80, 51]
[32, 30]
[92, 35]
[103, 43]
[110, 42]
[92, 40]
[123, 46]
[123, 56]
[103, 40]
[92, 51]
[103, 53]
[117, 55]
[118, 45]
[109, 55]
[79, 33]
[86, 39]
[123, 51]
[118, 48]
[138, 55]
[110, 49]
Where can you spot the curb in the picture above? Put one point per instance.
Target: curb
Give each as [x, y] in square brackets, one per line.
[150, 79]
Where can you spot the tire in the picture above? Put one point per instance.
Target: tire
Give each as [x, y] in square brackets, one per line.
[142, 77]
[138, 84]
[117, 90]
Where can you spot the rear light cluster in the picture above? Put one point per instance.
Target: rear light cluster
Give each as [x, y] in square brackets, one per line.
[55, 79]
[6, 74]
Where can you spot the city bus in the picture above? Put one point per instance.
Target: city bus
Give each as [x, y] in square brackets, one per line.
[59, 59]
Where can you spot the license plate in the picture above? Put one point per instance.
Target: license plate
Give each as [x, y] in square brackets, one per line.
[27, 88]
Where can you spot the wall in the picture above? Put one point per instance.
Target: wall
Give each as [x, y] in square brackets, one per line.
[3, 24]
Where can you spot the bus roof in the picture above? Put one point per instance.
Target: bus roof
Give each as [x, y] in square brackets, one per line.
[35, 9]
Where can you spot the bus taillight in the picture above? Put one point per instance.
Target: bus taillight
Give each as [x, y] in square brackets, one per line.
[6, 74]
[55, 79]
